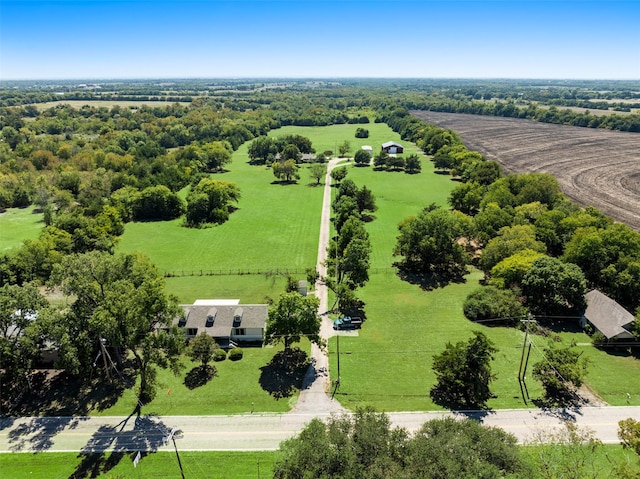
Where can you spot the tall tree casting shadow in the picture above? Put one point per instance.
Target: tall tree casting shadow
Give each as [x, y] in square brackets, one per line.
[110, 444]
[284, 374]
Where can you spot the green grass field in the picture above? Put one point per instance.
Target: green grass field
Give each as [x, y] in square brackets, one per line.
[275, 228]
[230, 465]
[389, 365]
[236, 389]
[196, 465]
[17, 225]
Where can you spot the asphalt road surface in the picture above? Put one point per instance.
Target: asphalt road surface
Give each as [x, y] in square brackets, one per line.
[264, 431]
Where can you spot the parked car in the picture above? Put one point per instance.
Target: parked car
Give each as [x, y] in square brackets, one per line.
[347, 322]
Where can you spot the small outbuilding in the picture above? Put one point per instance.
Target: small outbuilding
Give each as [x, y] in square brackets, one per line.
[368, 149]
[392, 147]
[607, 316]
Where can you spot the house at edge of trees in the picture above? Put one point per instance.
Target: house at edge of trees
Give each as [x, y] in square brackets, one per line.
[607, 316]
[392, 147]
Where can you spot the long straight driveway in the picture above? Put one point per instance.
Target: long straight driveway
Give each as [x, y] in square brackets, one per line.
[314, 397]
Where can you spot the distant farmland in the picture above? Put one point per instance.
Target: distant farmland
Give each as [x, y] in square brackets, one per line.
[594, 167]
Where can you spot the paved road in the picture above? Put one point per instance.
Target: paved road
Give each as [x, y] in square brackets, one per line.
[263, 431]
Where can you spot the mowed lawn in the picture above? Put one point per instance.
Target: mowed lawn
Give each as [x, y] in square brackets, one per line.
[274, 231]
[196, 464]
[276, 227]
[17, 225]
[239, 387]
[389, 364]
[230, 465]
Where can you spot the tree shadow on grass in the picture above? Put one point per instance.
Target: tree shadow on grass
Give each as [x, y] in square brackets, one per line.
[284, 182]
[110, 444]
[428, 282]
[199, 376]
[56, 393]
[284, 374]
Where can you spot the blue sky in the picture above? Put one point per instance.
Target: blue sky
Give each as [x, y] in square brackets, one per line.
[346, 38]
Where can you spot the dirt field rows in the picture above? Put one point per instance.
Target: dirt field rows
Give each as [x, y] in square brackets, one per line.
[594, 167]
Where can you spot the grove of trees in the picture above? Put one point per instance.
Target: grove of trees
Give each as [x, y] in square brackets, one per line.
[365, 445]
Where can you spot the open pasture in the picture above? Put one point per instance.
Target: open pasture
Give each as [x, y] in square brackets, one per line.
[389, 364]
[17, 225]
[594, 167]
[275, 228]
[196, 464]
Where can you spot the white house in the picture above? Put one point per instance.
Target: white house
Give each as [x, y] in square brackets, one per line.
[225, 320]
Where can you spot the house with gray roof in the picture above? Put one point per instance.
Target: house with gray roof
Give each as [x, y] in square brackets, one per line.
[607, 316]
[225, 321]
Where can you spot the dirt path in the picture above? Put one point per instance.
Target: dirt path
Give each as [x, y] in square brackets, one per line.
[315, 394]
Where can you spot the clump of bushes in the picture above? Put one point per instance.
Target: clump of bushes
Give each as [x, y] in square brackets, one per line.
[598, 339]
[490, 303]
[235, 354]
[219, 355]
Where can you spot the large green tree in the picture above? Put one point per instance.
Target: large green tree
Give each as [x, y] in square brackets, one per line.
[293, 317]
[119, 300]
[262, 150]
[429, 243]
[364, 445]
[20, 333]
[553, 287]
[463, 373]
[286, 170]
[610, 260]
[210, 201]
[157, 203]
[215, 155]
[510, 240]
[561, 373]
[362, 158]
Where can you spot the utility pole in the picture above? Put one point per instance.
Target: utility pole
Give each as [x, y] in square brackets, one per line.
[172, 437]
[526, 322]
[335, 389]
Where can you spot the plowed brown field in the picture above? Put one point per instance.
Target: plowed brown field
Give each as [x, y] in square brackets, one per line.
[594, 167]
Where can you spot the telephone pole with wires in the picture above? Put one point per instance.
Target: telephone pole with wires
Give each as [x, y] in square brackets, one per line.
[526, 345]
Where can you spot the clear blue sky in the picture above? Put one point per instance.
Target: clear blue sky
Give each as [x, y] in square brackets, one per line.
[315, 38]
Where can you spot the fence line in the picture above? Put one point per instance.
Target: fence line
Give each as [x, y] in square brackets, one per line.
[234, 272]
[256, 272]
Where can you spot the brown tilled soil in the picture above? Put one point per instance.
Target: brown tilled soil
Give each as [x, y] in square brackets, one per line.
[594, 166]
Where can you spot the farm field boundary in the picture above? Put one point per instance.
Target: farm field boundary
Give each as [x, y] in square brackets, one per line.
[593, 166]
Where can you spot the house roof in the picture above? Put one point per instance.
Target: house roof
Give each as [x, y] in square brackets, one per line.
[608, 316]
[216, 302]
[391, 143]
[218, 321]
[367, 147]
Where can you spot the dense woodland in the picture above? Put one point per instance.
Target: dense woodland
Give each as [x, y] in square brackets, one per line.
[94, 168]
